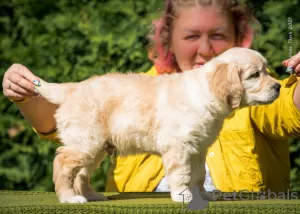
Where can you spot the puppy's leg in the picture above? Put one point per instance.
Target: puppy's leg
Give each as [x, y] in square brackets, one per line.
[68, 162]
[66, 165]
[198, 175]
[82, 185]
[177, 166]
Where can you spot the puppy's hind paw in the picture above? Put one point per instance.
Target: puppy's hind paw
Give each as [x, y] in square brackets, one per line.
[76, 199]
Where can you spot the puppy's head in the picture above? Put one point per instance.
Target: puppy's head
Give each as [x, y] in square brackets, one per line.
[240, 78]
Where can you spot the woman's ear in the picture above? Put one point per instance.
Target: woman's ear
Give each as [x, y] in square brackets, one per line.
[247, 38]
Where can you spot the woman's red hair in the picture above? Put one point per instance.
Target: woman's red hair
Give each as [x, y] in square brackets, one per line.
[163, 60]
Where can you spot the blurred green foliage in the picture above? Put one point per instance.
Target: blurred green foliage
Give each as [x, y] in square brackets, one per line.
[70, 40]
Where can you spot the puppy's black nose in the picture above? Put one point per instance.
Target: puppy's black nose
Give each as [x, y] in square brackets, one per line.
[277, 87]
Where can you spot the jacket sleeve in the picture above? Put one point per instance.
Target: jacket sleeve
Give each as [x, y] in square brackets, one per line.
[281, 119]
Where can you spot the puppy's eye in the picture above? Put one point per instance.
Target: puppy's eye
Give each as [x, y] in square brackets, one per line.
[255, 75]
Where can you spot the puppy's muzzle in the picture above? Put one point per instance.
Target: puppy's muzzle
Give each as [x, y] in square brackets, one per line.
[276, 87]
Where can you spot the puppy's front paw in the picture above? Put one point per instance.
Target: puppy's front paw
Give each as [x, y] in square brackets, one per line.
[74, 199]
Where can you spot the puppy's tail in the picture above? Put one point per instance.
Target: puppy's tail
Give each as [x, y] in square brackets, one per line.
[54, 92]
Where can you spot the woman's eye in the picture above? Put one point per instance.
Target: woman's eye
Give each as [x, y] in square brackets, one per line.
[192, 37]
[218, 36]
[256, 74]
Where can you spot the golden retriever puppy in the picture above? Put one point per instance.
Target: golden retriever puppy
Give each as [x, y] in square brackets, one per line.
[176, 116]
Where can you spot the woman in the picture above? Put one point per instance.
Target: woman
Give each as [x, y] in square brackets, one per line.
[251, 152]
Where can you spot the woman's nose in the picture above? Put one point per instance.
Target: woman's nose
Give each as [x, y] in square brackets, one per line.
[204, 48]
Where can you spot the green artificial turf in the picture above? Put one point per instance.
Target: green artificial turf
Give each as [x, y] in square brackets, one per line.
[46, 202]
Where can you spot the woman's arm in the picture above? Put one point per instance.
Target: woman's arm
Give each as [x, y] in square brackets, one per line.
[39, 113]
[294, 63]
[296, 97]
[18, 84]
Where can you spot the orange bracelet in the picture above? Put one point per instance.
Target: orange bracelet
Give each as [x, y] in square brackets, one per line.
[20, 101]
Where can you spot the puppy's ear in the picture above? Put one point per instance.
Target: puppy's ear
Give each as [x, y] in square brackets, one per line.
[226, 84]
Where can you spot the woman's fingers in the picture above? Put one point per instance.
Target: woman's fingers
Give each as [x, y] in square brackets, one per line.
[18, 89]
[293, 64]
[285, 62]
[18, 82]
[25, 72]
[16, 96]
[22, 85]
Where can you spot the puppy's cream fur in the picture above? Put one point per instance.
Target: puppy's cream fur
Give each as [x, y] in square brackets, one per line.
[177, 116]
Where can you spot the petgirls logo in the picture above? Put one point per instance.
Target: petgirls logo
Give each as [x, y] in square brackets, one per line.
[196, 202]
[246, 195]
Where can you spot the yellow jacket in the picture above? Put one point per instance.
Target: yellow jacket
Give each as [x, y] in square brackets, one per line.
[251, 152]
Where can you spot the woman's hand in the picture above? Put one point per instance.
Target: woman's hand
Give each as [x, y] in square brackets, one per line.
[18, 83]
[293, 66]
[293, 63]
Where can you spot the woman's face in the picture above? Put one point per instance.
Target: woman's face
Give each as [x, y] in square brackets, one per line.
[199, 34]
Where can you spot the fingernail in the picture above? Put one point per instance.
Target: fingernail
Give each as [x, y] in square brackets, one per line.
[37, 83]
[290, 70]
[36, 91]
